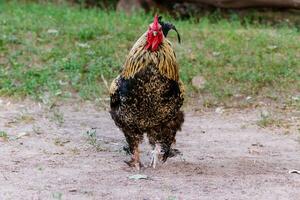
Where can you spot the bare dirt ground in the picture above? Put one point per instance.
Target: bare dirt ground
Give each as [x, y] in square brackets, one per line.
[49, 155]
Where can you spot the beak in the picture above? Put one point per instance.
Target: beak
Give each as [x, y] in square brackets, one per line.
[154, 33]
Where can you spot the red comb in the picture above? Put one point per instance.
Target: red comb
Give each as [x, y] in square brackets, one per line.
[155, 22]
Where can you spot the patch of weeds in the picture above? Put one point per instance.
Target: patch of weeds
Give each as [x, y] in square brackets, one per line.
[57, 117]
[57, 195]
[22, 118]
[209, 103]
[92, 139]
[92, 136]
[25, 118]
[3, 135]
[268, 121]
[87, 34]
[294, 101]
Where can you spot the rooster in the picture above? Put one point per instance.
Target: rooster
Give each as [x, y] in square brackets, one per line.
[148, 94]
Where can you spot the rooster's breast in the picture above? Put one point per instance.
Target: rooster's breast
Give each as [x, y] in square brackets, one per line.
[148, 99]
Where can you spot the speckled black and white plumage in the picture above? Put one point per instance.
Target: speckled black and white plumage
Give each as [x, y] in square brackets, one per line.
[146, 97]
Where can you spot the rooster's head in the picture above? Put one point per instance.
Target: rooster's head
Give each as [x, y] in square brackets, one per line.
[157, 31]
[154, 35]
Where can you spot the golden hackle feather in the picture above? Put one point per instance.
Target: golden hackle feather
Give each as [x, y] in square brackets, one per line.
[114, 86]
[164, 58]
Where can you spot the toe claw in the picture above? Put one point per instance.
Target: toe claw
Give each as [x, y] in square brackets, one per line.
[133, 163]
[170, 153]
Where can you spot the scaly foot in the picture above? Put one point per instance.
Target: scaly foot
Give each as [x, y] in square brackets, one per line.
[155, 155]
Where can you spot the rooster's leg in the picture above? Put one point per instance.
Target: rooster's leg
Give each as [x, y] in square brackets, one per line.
[133, 139]
[155, 155]
[135, 159]
[169, 132]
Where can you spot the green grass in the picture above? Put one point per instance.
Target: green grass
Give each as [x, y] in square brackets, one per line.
[92, 139]
[3, 135]
[48, 50]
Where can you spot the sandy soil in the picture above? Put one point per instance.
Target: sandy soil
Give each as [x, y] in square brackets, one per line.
[48, 155]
